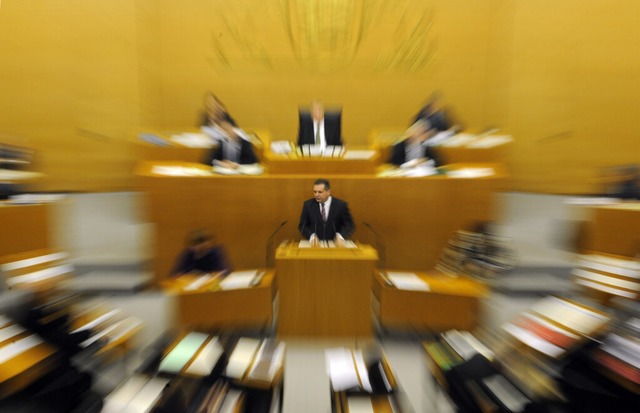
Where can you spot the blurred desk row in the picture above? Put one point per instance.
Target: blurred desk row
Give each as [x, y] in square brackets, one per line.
[193, 146]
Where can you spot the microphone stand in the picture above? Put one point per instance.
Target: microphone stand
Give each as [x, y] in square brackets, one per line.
[380, 246]
[269, 249]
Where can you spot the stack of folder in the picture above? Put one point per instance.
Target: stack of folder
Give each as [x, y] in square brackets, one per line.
[554, 326]
[608, 275]
[480, 255]
[78, 326]
[362, 381]
[465, 368]
[24, 357]
[202, 372]
[40, 270]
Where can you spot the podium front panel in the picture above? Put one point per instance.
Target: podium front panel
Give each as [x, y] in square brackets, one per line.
[325, 291]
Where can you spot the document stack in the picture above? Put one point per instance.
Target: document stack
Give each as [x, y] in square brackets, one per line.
[362, 381]
[555, 326]
[202, 372]
[466, 369]
[606, 376]
[39, 271]
[36, 373]
[479, 254]
[607, 276]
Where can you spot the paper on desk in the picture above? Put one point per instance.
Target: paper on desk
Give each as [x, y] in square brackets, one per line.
[341, 369]
[241, 357]
[178, 171]
[534, 341]
[199, 282]
[238, 279]
[281, 147]
[360, 404]
[407, 281]
[471, 172]
[420, 170]
[458, 140]
[359, 154]
[251, 169]
[192, 140]
[206, 360]
[490, 141]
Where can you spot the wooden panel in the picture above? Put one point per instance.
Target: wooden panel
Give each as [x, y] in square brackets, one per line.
[24, 228]
[325, 292]
[219, 309]
[280, 164]
[615, 230]
[452, 302]
[414, 217]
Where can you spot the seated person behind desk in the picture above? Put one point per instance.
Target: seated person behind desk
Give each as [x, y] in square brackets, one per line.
[324, 217]
[233, 147]
[215, 111]
[202, 256]
[415, 148]
[320, 128]
[434, 112]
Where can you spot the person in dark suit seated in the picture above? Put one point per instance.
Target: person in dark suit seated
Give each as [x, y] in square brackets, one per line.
[434, 112]
[325, 217]
[202, 256]
[215, 111]
[233, 148]
[320, 128]
[415, 148]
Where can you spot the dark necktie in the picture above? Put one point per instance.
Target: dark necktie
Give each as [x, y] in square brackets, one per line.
[323, 212]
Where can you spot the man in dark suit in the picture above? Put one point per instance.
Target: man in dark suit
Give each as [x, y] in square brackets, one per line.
[324, 217]
[415, 147]
[320, 128]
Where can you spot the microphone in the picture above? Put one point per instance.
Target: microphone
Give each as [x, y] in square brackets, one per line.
[282, 224]
[269, 252]
[379, 244]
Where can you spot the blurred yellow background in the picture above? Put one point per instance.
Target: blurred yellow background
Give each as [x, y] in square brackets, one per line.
[80, 79]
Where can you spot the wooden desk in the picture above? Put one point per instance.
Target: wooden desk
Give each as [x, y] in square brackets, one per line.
[285, 165]
[167, 149]
[325, 291]
[19, 371]
[450, 303]
[414, 217]
[24, 228]
[615, 229]
[209, 307]
[474, 151]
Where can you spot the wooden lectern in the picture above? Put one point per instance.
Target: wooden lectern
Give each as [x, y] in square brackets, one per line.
[325, 291]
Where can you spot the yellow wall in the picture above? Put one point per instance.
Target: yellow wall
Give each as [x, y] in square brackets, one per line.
[78, 77]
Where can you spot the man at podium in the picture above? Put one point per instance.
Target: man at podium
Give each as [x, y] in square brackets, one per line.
[325, 218]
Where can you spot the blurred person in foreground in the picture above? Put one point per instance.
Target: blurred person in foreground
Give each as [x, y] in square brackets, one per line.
[202, 256]
[415, 150]
[324, 217]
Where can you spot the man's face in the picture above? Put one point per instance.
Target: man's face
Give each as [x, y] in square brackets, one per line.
[317, 111]
[320, 193]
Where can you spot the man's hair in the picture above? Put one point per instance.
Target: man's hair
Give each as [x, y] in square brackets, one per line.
[199, 236]
[322, 181]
